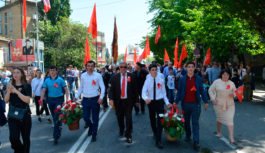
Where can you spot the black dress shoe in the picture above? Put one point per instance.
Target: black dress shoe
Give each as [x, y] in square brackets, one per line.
[196, 147]
[129, 140]
[159, 145]
[89, 132]
[49, 120]
[86, 126]
[39, 119]
[55, 141]
[94, 139]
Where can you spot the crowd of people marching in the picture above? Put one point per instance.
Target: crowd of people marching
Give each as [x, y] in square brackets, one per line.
[124, 87]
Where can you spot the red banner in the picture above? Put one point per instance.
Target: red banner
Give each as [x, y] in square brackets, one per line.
[22, 50]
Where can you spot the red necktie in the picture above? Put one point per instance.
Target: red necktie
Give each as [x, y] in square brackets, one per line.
[123, 86]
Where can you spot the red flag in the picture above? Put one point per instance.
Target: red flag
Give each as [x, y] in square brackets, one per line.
[135, 56]
[47, 5]
[24, 15]
[183, 55]
[207, 59]
[125, 56]
[141, 57]
[147, 48]
[176, 53]
[87, 52]
[166, 58]
[115, 43]
[158, 35]
[93, 23]
[239, 93]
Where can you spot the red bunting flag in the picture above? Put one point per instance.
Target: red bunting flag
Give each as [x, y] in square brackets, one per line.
[183, 55]
[166, 57]
[207, 59]
[239, 93]
[135, 56]
[93, 23]
[47, 5]
[158, 35]
[125, 56]
[147, 48]
[87, 52]
[24, 15]
[176, 53]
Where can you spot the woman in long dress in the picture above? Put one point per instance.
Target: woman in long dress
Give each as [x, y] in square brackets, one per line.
[222, 96]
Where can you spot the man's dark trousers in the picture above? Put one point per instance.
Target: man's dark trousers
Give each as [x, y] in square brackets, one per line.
[91, 104]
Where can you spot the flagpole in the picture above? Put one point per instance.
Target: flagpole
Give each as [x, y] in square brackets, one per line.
[96, 52]
[37, 31]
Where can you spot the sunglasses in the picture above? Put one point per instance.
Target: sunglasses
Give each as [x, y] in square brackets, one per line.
[123, 67]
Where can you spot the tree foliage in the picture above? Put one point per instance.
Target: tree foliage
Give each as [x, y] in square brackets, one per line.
[204, 24]
[59, 9]
[64, 42]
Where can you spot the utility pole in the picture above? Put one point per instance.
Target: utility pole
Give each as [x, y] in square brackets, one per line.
[37, 33]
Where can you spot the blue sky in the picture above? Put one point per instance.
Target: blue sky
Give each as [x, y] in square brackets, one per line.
[132, 19]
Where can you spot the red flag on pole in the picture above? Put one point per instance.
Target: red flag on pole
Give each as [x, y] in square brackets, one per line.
[135, 56]
[207, 59]
[125, 56]
[176, 53]
[141, 57]
[183, 55]
[146, 49]
[87, 52]
[166, 57]
[24, 15]
[158, 35]
[93, 23]
[47, 5]
[115, 43]
[239, 93]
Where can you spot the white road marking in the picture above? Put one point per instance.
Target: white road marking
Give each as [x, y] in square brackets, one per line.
[81, 138]
[88, 140]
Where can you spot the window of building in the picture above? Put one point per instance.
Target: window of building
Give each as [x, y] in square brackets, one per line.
[1, 29]
[6, 30]
[0, 17]
[10, 26]
[5, 17]
[10, 14]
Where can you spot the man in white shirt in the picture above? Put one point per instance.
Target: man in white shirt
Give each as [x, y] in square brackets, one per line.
[36, 86]
[155, 96]
[123, 95]
[90, 83]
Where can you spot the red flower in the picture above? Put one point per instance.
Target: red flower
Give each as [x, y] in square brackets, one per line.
[228, 87]
[183, 112]
[61, 115]
[162, 120]
[170, 115]
[66, 107]
[193, 88]
[159, 85]
[69, 102]
[58, 107]
[94, 82]
[174, 105]
[55, 111]
[129, 79]
[40, 101]
[168, 124]
[177, 111]
[63, 104]
[64, 121]
[55, 85]
[74, 105]
[182, 120]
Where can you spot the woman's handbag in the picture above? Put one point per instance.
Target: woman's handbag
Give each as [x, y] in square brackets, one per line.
[16, 113]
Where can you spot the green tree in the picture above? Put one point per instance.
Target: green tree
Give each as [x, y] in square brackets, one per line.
[204, 24]
[59, 9]
[64, 42]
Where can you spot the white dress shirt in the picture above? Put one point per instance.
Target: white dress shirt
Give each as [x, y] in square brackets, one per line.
[148, 89]
[160, 75]
[36, 86]
[125, 97]
[88, 89]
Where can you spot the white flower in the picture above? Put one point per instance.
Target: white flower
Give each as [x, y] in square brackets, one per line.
[179, 118]
[175, 115]
[161, 115]
[166, 115]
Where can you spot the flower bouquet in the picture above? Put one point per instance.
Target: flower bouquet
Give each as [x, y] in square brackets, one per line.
[70, 114]
[173, 123]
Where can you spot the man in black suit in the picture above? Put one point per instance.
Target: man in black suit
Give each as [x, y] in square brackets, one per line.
[123, 95]
[106, 77]
[28, 49]
[140, 74]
